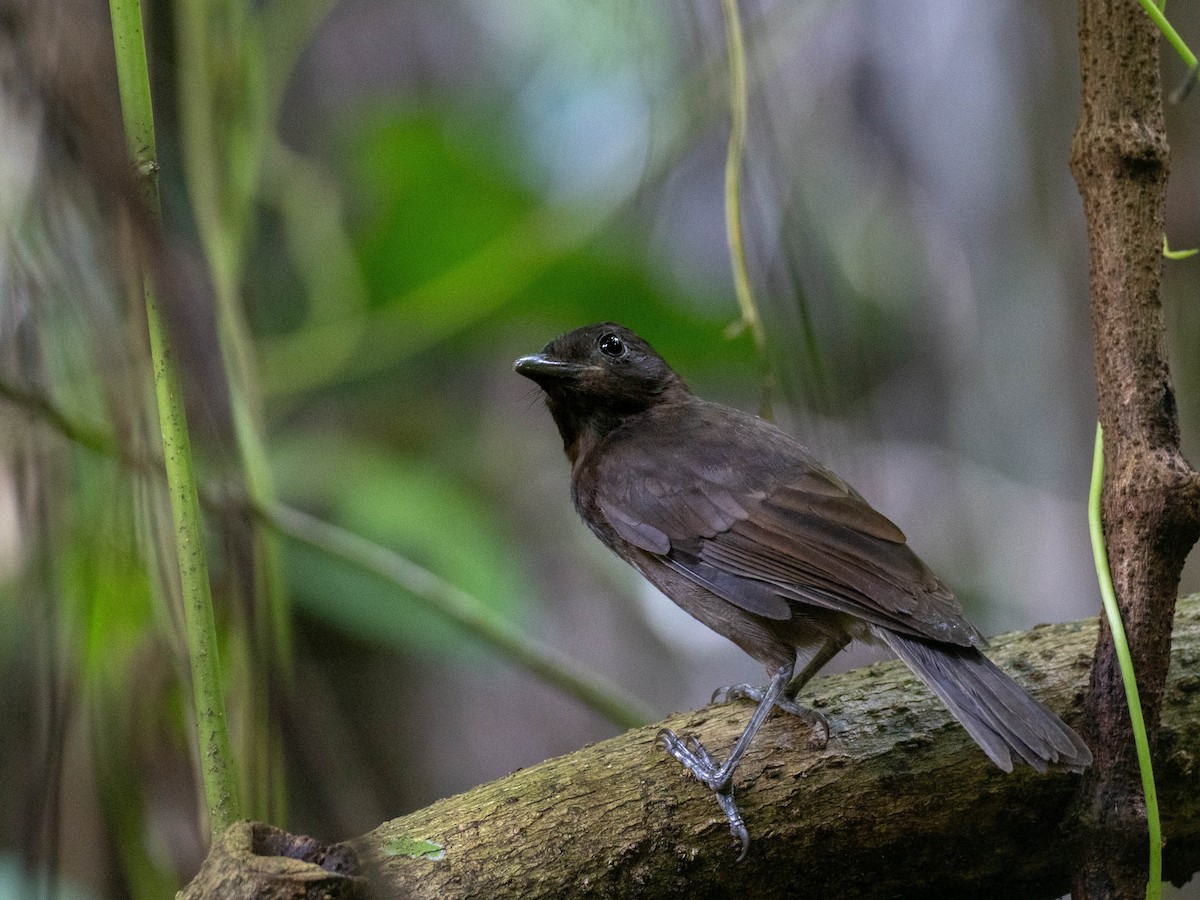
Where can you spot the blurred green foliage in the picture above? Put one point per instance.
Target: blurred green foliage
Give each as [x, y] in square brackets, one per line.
[450, 241]
[414, 507]
[396, 222]
[424, 201]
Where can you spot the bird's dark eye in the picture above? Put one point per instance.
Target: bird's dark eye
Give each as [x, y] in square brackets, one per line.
[611, 345]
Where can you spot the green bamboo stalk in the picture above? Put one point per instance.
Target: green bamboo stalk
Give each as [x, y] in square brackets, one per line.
[1112, 613]
[215, 756]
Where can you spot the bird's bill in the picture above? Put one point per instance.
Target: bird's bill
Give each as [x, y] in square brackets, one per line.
[540, 367]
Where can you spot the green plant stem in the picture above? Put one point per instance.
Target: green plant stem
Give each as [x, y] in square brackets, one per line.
[1177, 254]
[215, 756]
[1156, 15]
[465, 611]
[1112, 613]
[133, 82]
[738, 104]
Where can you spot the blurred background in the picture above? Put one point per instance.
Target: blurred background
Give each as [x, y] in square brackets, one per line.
[371, 208]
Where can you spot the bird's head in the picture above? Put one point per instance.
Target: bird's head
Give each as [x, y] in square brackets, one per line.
[596, 377]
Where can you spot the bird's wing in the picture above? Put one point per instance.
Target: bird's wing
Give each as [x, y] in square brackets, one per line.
[737, 506]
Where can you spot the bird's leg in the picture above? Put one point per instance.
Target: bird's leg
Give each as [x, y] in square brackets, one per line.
[718, 778]
[787, 700]
[724, 799]
[696, 759]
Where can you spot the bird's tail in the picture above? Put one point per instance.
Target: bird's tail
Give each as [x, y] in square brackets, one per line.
[996, 711]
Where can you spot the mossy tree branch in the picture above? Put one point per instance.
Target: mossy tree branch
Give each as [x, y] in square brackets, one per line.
[901, 802]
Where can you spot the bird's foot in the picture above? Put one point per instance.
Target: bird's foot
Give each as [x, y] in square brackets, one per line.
[820, 725]
[693, 756]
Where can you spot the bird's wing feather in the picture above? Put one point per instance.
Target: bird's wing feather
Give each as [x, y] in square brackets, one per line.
[740, 508]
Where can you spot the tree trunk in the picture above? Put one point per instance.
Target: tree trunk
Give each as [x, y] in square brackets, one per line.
[901, 801]
[1151, 501]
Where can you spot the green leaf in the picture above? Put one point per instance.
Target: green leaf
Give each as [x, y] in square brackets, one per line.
[403, 846]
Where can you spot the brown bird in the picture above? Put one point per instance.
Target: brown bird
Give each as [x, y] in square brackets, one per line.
[737, 523]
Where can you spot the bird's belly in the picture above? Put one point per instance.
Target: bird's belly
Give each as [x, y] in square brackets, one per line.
[771, 642]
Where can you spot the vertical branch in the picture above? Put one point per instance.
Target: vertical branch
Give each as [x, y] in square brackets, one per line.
[223, 123]
[216, 758]
[133, 82]
[1151, 497]
[738, 103]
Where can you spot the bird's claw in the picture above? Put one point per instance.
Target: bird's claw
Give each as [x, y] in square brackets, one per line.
[820, 731]
[737, 692]
[699, 751]
[737, 827]
[820, 725]
[692, 755]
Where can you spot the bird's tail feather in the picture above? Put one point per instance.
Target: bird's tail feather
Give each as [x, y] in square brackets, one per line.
[997, 712]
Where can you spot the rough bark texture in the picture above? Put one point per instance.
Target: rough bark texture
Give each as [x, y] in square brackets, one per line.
[252, 861]
[1151, 505]
[900, 803]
